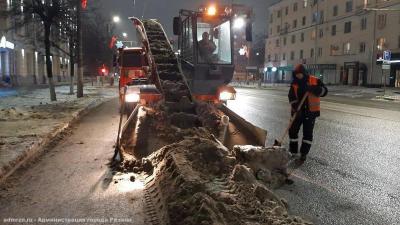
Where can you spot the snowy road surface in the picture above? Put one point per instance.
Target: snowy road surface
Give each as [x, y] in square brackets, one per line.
[352, 173]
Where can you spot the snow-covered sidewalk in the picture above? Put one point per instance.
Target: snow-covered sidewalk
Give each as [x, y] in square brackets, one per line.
[29, 120]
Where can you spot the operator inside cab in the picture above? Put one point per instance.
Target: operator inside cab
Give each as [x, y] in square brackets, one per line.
[207, 48]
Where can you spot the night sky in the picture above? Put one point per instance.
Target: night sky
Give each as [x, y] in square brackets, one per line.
[165, 10]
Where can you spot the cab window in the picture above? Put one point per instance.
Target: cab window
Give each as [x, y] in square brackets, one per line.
[214, 42]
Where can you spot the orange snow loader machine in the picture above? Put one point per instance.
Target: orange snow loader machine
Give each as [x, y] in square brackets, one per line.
[184, 77]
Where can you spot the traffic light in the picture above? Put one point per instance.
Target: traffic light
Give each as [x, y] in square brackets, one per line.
[103, 70]
[84, 4]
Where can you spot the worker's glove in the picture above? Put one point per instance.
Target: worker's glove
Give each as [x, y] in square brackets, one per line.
[294, 107]
[314, 89]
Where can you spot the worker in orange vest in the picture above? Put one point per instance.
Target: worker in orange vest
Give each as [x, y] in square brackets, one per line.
[304, 83]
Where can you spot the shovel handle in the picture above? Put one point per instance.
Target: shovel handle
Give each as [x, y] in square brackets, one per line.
[293, 118]
[121, 114]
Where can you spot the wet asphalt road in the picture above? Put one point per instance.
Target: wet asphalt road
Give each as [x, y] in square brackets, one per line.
[352, 175]
[72, 182]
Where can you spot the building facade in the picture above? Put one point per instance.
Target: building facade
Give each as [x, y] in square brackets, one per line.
[22, 53]
[339, 41]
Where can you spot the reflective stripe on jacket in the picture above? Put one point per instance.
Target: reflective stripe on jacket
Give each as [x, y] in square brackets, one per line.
[314, 101]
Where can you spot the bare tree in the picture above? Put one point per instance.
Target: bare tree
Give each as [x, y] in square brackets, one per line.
[51, 14]
[96, 35]
[61, 23]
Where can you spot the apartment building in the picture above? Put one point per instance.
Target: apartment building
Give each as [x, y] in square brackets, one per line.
[339, 41]
[22, 53]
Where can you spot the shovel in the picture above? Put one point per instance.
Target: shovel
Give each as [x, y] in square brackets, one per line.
[117, 152]
[279, 141]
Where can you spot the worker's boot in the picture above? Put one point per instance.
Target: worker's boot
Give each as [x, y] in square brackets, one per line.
[304, 150]
[293, 147]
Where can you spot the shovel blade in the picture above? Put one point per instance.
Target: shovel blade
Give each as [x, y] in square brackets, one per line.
[277, 143]
[117, 155]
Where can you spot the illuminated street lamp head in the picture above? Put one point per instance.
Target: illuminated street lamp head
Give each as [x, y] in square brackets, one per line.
[212, 10]
[124, 35]
[116, 19]
[239, 23]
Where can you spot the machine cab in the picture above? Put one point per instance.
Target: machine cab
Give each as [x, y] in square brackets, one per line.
[205, 46]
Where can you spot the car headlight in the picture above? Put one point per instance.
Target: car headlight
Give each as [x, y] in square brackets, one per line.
[225, 95]
[132, 97]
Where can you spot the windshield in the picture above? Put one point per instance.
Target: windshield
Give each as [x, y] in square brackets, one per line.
[214, 43]
[132, 59]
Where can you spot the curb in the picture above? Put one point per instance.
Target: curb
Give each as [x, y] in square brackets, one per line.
[37, 148]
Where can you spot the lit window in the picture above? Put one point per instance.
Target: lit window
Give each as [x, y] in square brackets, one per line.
[381, 43]
[346, 48]
[334, 49]
[313, 35]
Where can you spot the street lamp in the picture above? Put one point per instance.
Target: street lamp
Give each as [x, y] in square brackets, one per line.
[212, 10]
[116, 19]
[239, 23]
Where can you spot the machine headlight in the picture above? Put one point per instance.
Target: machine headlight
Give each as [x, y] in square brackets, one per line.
[226, 95]
[132, 97]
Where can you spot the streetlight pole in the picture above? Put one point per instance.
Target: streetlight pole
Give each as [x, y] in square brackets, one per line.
[79, 91]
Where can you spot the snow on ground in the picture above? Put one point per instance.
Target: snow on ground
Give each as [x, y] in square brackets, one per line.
[27, 118]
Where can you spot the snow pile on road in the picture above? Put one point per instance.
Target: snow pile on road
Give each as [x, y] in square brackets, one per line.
[194, 179]
[199, 181]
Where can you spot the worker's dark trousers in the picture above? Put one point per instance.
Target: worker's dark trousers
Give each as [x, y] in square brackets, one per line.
[308, 128]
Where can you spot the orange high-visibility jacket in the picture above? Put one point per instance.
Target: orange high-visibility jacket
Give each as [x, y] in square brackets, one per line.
[313, 101]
